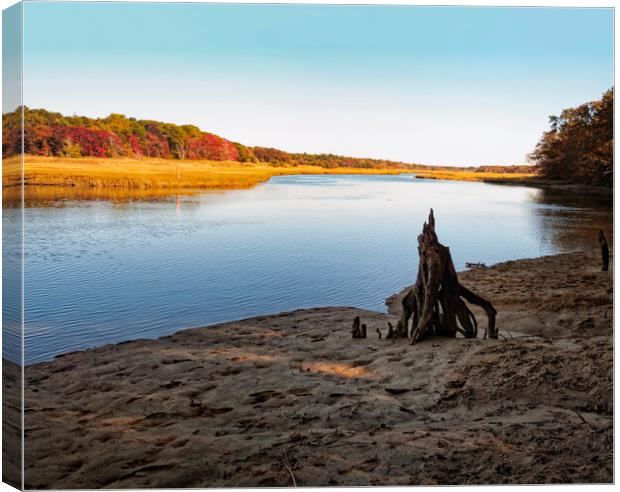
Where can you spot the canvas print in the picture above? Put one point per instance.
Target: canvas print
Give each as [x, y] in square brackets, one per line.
[252, 245]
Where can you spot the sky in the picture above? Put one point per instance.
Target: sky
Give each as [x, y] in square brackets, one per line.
[431, 85]
[11, 58]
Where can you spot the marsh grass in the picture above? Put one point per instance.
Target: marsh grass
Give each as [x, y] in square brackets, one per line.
[100, 178]
[467, 175]
[157, 173]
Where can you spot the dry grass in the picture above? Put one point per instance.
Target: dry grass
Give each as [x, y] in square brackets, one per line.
[458, 175]
[45, 195]
[92, 176]
[11, 170]
[154, 173]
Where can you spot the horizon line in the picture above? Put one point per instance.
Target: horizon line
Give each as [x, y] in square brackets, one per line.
[460, 166]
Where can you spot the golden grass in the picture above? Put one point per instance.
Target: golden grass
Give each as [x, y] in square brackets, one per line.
[458, 175]
[45, 195]
[124, 179]
[11, 170]
[154, 173]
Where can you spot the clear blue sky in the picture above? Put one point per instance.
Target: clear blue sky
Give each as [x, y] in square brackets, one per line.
[436, 85]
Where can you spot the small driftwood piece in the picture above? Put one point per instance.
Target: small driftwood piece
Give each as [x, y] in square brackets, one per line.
[396, 333]
[289, 469]
[358, 330]
[435, 302]
[406, 410]
[602, 240]
[402, 330]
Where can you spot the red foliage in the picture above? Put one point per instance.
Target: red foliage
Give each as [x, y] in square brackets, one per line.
[265, 154]
[211, 147]
[52, 134]
[93, 143]
[38, 140]
[11, 142]
[157, 145]
[135, 147]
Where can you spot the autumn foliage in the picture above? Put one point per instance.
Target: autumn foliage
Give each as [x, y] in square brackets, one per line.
[52, 134]
[579, 146]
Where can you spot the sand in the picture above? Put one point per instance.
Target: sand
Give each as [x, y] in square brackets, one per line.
[292, 399]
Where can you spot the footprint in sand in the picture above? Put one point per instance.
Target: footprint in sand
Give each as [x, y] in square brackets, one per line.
[263, 396]
[229, 371]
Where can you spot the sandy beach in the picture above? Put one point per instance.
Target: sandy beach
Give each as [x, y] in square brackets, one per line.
[291, 399]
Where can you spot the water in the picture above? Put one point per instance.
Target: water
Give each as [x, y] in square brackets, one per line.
[103, 271]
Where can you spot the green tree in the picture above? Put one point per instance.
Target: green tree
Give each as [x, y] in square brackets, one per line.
[579, 144]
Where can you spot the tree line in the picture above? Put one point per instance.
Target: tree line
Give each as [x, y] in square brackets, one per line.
[579, 145]
[52, 134]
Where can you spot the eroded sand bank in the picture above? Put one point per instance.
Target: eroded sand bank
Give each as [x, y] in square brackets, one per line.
[291, 398]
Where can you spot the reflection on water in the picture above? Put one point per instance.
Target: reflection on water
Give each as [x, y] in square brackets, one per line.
[101, 271]
[572, 221]
[58, 196]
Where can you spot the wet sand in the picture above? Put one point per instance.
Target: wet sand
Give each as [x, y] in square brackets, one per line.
[292, 399]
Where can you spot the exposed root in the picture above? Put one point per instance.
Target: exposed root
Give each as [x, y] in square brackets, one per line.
[434, 303]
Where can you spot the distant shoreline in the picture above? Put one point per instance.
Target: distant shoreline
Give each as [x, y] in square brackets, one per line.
[166, 174]
[517, 179]
[57, 178]
[150, 173]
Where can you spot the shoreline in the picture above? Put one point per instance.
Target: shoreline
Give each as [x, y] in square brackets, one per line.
[391, 302]
[150, 174]
[561, 186]
[295, 388]
[55, 178]
[530, 180]
[165, 174]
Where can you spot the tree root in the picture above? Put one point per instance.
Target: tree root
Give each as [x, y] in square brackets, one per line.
[434, 303]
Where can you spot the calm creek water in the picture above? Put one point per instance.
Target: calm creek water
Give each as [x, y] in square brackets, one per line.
[103, 271]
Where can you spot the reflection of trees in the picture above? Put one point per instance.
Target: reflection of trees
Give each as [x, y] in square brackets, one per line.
[59, 196]
[570, 221]
[571, 199]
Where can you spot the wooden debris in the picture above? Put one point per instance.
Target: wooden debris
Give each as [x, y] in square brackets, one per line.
[434, 303]
[406, 410]
[602, 240]
[290, 471]
[396, 333]
[390, 331]
[402, 330]
[580, 416]
[358, 331]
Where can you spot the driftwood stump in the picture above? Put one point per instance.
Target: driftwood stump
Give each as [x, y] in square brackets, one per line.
[434, 302]
[358, 331]
[602, 240]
